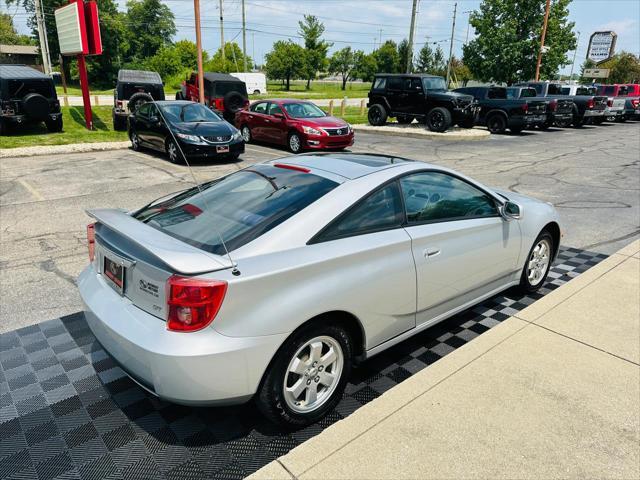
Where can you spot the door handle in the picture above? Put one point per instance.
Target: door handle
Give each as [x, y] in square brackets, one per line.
[431, 252]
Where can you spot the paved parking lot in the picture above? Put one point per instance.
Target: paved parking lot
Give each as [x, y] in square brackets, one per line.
[592, 175]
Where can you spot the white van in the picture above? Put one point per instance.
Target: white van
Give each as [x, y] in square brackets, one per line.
[256, 82]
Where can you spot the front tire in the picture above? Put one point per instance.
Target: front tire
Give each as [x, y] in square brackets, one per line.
[246, 133]
[173, 152]
[377, 115]
[307, 377]
[439, 119]
[135, 140]
[538, 264]
[294, 142]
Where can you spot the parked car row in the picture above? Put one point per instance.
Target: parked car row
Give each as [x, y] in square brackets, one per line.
[425, 98]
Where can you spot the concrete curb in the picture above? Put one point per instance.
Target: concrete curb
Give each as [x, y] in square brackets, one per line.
[58, 149]
[333, 439]
[417, 131]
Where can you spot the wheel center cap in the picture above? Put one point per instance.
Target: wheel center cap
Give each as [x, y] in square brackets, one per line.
[312, 372]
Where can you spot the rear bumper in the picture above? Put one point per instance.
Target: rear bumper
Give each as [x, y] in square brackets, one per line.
[198, 368]
[19, 119]
[593, 113]
[562, 116]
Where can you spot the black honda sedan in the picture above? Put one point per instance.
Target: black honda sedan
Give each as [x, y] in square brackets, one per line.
[184, 129]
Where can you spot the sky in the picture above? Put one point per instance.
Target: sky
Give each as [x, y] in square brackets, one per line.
[361, 23]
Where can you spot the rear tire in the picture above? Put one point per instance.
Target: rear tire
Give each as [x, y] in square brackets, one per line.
[377, 115]
[303, 363]
[54, 126]
[439, 119]
[496, 123]
[562, 123]
[538, 263]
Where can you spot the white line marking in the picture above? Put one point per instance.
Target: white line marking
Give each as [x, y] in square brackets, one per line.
[268, 152]
[36, 194]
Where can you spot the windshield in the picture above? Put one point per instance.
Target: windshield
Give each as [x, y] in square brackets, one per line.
[434, 83]
[191, 112]
[303, 110]
[241, 206]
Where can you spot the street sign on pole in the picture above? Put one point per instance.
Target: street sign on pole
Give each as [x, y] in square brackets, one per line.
[79, 34]
[596, 73]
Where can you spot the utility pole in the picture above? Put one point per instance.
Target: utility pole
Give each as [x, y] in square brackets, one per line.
[411, 29]
[42, 37]
[244, 37]
[222, 36]
[574, 57]
[453, 29]
[544, 34]
[196, 9]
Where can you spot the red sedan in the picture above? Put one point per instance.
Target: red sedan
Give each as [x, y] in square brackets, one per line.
[297, 124]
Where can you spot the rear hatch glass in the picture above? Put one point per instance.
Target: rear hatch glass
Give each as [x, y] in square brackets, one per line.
[236, 209]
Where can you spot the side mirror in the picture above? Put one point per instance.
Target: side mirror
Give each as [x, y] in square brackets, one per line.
[511, 211]
[154, 119]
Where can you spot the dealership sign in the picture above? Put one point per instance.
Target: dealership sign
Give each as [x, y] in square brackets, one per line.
[601, 46]
[78, 29]
[596, 73]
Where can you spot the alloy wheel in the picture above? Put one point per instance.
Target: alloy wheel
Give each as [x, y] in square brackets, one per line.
[135, 141]
[172, 150]
[294, 143]
[313, 374]
[539, 262]
[246, 134]
[437, 120]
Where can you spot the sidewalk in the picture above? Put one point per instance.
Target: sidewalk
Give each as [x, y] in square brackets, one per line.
[551, 393]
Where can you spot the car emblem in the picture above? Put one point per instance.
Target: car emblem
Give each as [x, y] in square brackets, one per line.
[219, 139]
[113, 268]
[339, 131]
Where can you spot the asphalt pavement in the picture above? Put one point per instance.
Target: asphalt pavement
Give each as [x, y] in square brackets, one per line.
[592, 175]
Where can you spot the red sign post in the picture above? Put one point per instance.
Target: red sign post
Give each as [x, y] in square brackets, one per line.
[79, 34]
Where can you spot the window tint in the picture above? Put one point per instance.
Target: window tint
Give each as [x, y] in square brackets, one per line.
[495, 92]
[379, 211]
[623, 91]
[395, 83]
[432, 196]
[554, 89]
[414, 84]
[380, 82]
[566, 91]
[538, 88]
[259, 107]
[237, 208]
[274, 108]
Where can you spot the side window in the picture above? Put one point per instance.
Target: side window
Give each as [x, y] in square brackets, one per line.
[274, 108]
[414, 85]
[259, 107]
[380, 83]
[394, 83]
[609, 90]
[143, 110]
[433, 196]
[381, 210]
[566, 91]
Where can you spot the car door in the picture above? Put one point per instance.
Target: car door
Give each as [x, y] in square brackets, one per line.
[396, 94]
[156, 130]
[415, 100]
[142, 123]
[463, 248]
[256, 119]
[275, 124]
[372, 253]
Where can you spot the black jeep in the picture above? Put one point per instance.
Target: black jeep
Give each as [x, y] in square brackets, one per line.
[224, 94]
[134, 88]
[421, 97]
[27, 95]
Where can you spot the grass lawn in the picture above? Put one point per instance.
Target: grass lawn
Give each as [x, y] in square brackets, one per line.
[74, 130]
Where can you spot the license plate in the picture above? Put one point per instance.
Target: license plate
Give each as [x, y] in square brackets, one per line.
[222, 148]
[114, 273]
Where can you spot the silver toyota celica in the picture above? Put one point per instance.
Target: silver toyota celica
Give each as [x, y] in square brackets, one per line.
[270, 282]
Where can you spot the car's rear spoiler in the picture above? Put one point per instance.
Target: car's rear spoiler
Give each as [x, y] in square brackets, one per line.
[180, 256]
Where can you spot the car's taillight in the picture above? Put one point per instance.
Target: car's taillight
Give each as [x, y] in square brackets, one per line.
[219, 104]
[609, 103]
[119, 104]
[635, 103]
[553, 105]
[91, 240]
[525, 107]
[193, 303]
[590, 103]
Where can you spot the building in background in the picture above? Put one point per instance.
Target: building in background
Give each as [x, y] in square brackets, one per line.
[20, 54]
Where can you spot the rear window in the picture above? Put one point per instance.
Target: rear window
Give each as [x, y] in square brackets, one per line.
[554, 89]
[238, 208]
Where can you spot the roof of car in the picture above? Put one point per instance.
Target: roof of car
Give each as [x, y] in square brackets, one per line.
[220, 77]
[347, 165]
[141, 76]
[416, 75]
[21, 72]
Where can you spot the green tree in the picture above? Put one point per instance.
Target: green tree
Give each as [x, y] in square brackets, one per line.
[439, 62]
[9, 35]
[508, 37]
[387, 57]
[403, 53]
[346, 63]
[425, 62]
[150, 26]
[311, 30]
[233, 60]
[460, 72]
[285, 61]
[366, 67]
[624, 66]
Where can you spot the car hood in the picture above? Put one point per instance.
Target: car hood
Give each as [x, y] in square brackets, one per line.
[205, 129]
[322, 122]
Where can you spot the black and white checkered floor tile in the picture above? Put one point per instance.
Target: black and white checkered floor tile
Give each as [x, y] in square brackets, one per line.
[67, 411]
